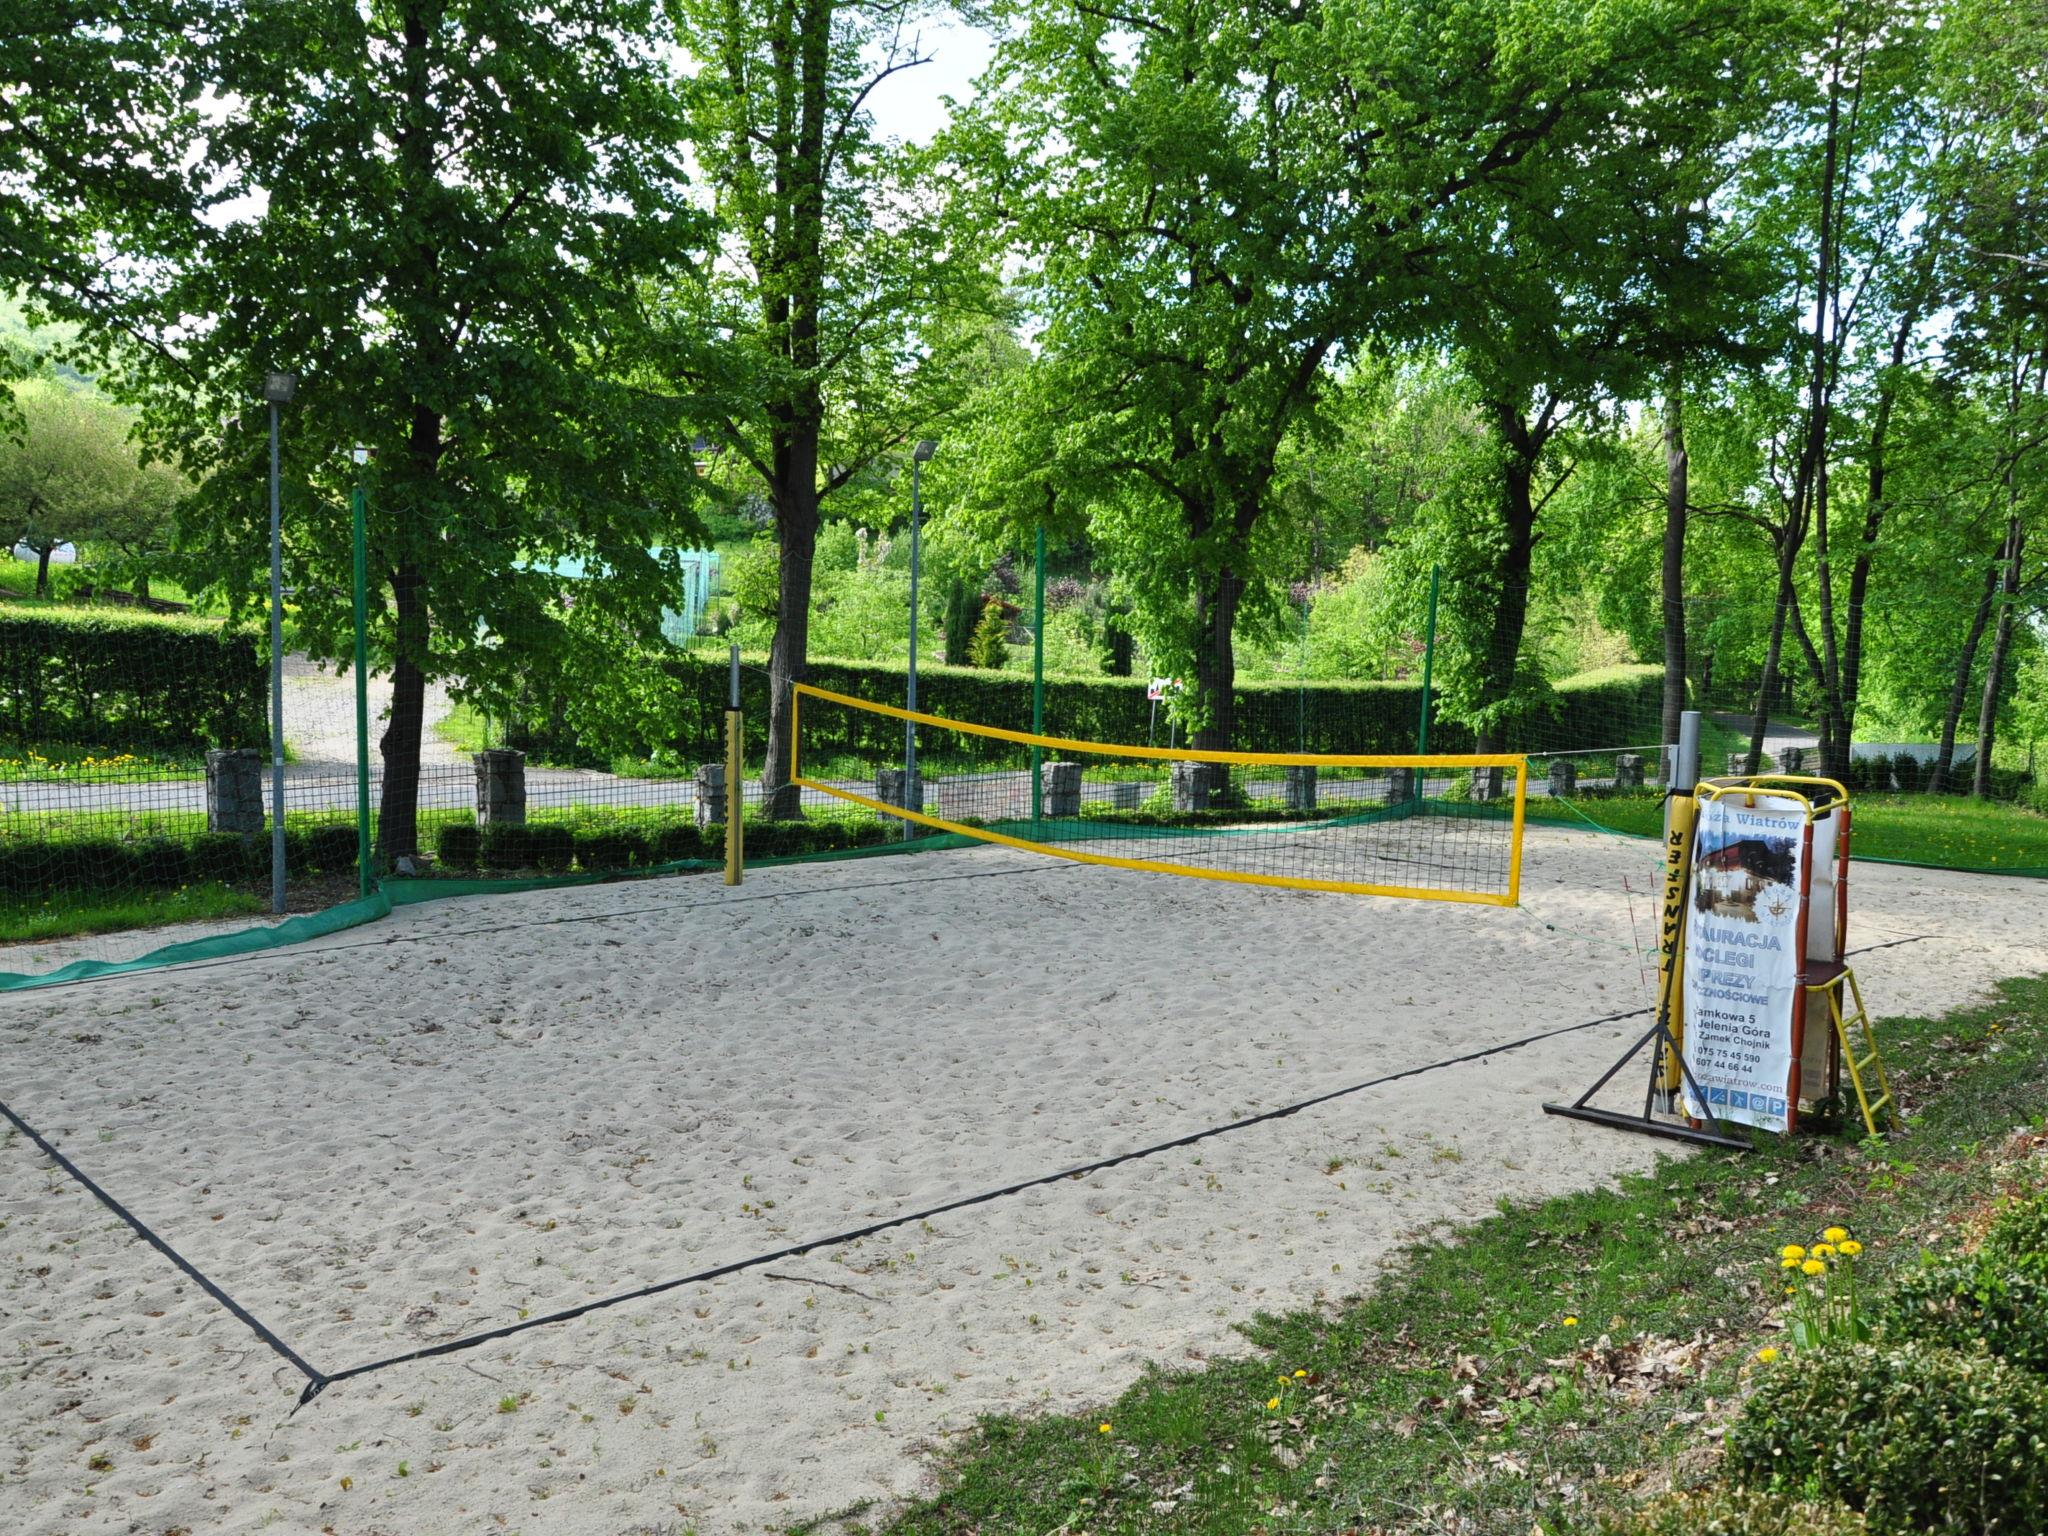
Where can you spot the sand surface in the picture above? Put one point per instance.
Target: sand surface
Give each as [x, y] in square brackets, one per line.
[474, 1113]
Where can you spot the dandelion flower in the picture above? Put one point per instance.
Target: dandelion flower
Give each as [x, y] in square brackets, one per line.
[1823, 1250]
[1793, 1252]
[1788, 1263]
[1767, 1354]
[1571, 1322]
[1835, 1234]
[1298, 1375]
[1850, 1247]
[1102, 1429]
[1272, 1403]
[1813, 1267]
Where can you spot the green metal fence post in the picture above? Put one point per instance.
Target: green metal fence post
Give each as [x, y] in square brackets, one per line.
[1038, 687]
[1428, 662]
[359, 515]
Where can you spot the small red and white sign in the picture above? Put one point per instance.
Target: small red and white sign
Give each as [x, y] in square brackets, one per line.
[1160, 687]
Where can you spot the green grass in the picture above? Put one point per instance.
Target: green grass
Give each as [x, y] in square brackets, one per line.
[1946, 831]
[66, 914]
[1454, 1396]
[47, 760]
[20, 576]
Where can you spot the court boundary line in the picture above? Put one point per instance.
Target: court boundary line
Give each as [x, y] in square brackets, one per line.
[318, 1381]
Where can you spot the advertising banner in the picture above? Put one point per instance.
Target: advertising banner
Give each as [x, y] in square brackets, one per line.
[1742, 958]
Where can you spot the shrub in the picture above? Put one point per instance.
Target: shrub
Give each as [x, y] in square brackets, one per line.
[507, 845]
[162, 862]
[1733, 1512]
[1973, 1304]
[680, 841]
[1918, 1438]
[988, 647]
[332, 847]
[2018, 1237]
[459, 845]
[601, 850]
[554, 846]
[127, 680]
[227, 856]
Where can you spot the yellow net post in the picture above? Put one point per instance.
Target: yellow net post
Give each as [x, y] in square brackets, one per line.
[735, 780]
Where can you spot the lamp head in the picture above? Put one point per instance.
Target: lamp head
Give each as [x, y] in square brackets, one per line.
[279, 387]
[924, 450]
[360, 455]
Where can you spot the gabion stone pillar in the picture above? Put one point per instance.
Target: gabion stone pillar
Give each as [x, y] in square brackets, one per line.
[1298, 787]
[1400, 785]
[500, 787]
[234, 791]
[1193, 785]
[1628, 770]
[1486, 784]
[1060, 789]
[710, 794]
[1126, 795]
[1564, 778]
[889, 787]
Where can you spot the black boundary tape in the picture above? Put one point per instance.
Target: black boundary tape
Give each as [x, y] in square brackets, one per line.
[319, 1381]
[255, 1324]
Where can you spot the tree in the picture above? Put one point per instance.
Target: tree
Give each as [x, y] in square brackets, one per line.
[1211, 206]
[842, 296]
[97, 119]
[462, 201]
[64, 473]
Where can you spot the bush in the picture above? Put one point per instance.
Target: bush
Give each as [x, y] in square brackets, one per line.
[988, 646]
[683, 841]
[554, 846]
[1972, 1304]
[2017, 1239]
[601, 851]
[507, 845]
[331, 847]
[1918, 1438]
[128, 680]
[459, 845]
[1733, 1512]
[227, 856]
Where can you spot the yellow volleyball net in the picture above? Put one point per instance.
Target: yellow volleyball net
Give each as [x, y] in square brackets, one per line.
[1438, 827]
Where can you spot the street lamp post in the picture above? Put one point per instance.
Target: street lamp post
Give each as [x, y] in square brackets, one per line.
[278, 389]
[919, 456]
[359, 517]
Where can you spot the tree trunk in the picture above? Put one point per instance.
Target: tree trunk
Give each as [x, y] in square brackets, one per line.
[1677, 497]
[43, 569]
[795, 499]
[141, 587]
[1773, 657]
[1216, 682]
[1994, 671]
[1500, 666]
[398, 817]
[1958, 694]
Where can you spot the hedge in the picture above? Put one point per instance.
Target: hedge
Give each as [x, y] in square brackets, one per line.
[128, 680]
[32, 868]
[1613, 707]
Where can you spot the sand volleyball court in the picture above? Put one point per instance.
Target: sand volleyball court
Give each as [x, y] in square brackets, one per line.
[483, 1111]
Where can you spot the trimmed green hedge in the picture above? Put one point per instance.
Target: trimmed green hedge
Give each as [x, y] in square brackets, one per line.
[631, 838]
[126, 680]
[1613, 707]
[32, 869]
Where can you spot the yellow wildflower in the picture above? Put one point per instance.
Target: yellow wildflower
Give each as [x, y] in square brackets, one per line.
[1571, 1322]
[1298, 1375]
[1823, 1250]
[1767, 1354]
[1850, 1247]
[1272, 1403]
[1788, 1263]
[1813, 1267]
[1102, 1429]
[1835, 1234]
[1793, 1252]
